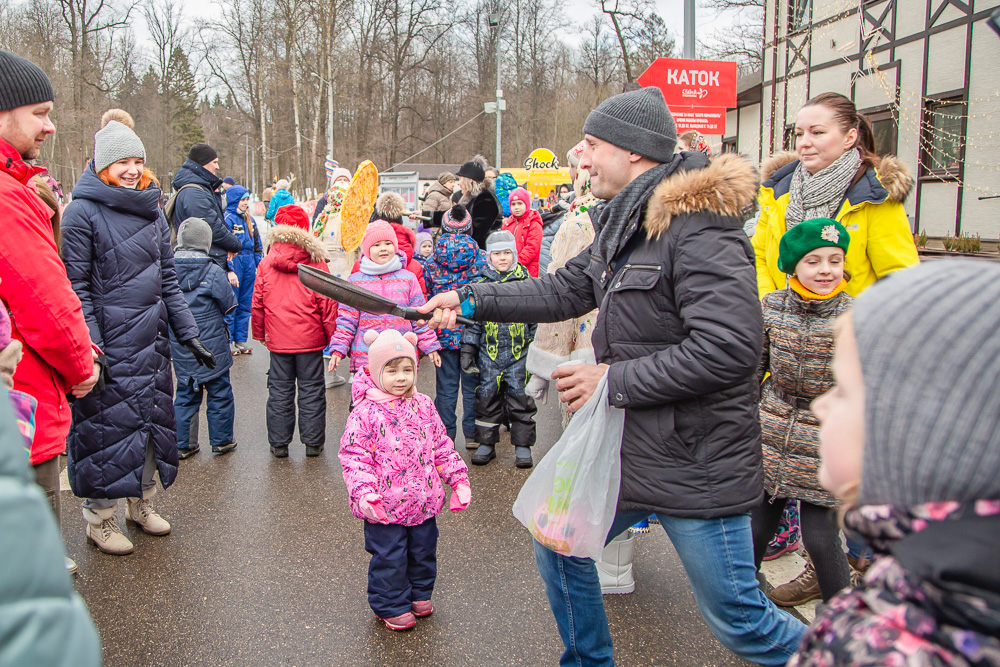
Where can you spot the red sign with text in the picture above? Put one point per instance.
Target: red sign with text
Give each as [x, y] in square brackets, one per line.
[703, 83]
[707, 120]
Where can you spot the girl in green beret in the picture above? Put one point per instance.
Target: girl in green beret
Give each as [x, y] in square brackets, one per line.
[798, 352]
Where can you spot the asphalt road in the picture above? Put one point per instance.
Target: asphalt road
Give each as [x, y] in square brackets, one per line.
[266, 566]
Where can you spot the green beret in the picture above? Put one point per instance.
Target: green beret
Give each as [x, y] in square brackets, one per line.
[808, 235]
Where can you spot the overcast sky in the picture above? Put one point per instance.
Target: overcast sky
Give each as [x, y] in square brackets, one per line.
[672, 12]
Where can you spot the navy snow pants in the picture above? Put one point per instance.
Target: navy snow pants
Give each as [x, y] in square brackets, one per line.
[403, 565]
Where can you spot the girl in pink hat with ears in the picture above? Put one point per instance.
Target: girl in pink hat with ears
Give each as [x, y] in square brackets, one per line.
[396, 457]
[381, 271]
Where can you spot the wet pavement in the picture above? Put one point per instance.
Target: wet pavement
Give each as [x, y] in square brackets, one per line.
[266, 566]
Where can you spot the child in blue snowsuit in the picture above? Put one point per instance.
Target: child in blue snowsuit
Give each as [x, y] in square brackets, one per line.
[498, 351]
[210, 298]
[244, 265]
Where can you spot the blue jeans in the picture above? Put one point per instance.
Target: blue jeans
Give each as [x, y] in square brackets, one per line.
[449, 376]
[718, 557]
[220, 412]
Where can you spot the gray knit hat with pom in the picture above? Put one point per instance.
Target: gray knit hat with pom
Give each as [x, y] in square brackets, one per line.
[929, 342]
[638, 121]
[116, 140]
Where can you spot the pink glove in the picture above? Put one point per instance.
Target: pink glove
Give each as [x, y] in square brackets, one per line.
[371, 507]
[460, 497]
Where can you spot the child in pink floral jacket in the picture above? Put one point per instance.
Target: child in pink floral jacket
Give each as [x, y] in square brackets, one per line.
[396, 454]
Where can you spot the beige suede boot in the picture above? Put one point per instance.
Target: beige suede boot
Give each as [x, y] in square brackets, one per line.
[141, 512]
[103, 530]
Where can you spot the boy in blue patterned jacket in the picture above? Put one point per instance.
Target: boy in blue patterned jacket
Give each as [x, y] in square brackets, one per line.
[458, 261]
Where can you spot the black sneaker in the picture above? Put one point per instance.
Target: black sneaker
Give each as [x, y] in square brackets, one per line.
[522, 457]
[314, 450]
[223, 449]
[279, 451]
[187, 451]
[484, 455]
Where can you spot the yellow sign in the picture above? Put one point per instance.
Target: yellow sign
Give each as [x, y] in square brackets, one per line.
[541, 158]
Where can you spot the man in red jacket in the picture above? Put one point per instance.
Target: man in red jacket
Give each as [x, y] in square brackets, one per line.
[46, 315]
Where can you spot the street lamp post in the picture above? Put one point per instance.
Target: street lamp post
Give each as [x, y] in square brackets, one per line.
[494, 21]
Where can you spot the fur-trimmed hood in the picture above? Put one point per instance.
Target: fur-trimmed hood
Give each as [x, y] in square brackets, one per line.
[293, 246]
[891, 175]
[724, 187]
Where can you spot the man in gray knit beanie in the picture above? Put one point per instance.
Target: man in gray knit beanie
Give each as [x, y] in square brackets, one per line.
[677, 339]
[929, 342]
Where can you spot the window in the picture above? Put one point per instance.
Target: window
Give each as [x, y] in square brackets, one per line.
[885, 129]
[729, 145]
[942, 140]
[798, 14]
[788, 139]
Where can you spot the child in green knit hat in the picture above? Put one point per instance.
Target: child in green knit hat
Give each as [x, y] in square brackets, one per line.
[797, 357]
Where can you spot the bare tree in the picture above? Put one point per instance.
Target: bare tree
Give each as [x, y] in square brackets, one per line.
[622, 13]
[743, 40]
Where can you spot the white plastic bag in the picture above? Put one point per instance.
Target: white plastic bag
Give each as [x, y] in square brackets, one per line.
[568, 502]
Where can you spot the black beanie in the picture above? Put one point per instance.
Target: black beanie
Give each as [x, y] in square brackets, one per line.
[473, 171]
[202, 154]
[22, 82]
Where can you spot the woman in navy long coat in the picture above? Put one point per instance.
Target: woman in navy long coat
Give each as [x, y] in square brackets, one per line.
[116, 247]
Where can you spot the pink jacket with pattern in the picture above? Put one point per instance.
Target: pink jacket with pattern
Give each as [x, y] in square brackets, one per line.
[400, 451]
[400, 286]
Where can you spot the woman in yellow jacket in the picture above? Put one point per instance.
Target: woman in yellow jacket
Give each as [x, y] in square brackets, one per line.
[835, 173]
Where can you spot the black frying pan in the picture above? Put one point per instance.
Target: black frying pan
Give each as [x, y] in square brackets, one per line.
[343, 291]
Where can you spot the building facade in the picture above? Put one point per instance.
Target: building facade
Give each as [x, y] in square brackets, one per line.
[926, 73]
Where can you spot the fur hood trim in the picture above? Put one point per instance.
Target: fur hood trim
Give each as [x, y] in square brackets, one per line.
[893, 175]
[299, 237]
[724, 187]
[390, 206]
[776, 162]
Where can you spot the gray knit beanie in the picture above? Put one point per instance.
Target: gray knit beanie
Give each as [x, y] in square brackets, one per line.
[638, 121]
[929, 342]
[194, 234]
[502, 240]
[22, 82]
[116, 140]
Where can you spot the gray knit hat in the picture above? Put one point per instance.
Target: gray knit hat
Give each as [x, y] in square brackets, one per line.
[929, 342]
[502, 240]
[22, 82]
[116, 140]
[194, 234]
[638, 121]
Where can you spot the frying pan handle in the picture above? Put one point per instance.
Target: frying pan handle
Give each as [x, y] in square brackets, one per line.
[412, 315]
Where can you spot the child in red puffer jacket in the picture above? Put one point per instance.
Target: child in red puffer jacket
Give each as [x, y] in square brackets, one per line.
[295, 324]
[526, 225]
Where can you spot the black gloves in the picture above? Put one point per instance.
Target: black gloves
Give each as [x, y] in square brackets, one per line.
[468, 356]
[201, 353]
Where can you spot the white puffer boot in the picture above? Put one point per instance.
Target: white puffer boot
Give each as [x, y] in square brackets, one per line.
[141, 512]
[103, 530]
[615, 566]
